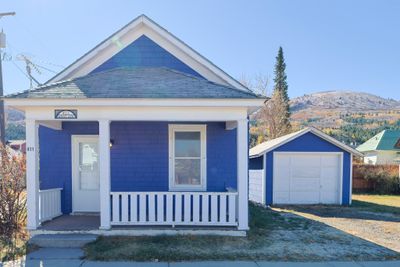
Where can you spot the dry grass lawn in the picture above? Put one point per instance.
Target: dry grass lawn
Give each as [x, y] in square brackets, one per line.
[278, 235]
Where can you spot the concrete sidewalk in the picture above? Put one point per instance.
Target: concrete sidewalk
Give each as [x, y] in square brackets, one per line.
[72, 257]
[83, 263]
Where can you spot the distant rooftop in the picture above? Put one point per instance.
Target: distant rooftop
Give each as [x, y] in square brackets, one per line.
[385, 140]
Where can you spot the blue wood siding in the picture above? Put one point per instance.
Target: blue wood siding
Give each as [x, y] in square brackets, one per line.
[55, 158]
[139, 157]
[309, 142]
[144, 52]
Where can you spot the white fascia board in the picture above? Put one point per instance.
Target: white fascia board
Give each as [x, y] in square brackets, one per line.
[317, 133]
[132, 113]
[140, 102]
[128, 34]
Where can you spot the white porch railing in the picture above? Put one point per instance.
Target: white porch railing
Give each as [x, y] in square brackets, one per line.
[49, 204]
[174, 208]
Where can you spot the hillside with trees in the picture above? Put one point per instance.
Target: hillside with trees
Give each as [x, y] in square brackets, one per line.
[351, 117]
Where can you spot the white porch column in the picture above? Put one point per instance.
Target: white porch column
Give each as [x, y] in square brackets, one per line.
[242, 174]
[105, 187]
[32, 173]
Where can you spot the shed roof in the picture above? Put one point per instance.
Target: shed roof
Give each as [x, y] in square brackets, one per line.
[385, 140]
[136, 82]
[277, 142]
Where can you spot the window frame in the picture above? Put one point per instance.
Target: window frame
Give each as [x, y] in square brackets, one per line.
[172, 129]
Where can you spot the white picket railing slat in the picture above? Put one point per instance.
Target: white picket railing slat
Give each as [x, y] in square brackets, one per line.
[174, 208]
[49, 204]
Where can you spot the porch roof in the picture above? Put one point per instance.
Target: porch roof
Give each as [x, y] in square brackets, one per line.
[136, 82]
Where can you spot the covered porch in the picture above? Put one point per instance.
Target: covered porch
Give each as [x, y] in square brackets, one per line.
[134, 170]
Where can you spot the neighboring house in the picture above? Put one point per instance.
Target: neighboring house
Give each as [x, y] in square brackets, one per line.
[304, 167]
[383, 148]
[17, 145]
[143, 131]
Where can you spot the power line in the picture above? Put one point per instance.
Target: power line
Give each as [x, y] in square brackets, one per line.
[22, 71]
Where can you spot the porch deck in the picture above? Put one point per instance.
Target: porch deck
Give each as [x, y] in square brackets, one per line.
[72, 223]
[89, 224]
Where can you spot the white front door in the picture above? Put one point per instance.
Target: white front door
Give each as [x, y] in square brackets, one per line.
[85, 174]
[307, 178]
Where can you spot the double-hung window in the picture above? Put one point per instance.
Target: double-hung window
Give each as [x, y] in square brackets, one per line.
[187, 157]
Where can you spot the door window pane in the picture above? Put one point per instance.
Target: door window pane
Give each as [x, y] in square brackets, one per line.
[88, 166]
[187, 171]
[187, 144]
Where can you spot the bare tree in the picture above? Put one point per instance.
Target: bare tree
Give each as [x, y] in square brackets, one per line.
[258, 84]
[12, 201]
[271, 115]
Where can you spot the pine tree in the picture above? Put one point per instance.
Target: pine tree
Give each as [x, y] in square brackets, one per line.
[280, 96]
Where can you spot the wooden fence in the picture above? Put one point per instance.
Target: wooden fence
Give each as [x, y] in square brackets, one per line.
[360, 184]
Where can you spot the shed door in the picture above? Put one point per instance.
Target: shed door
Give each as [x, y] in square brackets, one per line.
[307, 178]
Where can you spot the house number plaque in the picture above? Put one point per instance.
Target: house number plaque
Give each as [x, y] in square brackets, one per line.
[66, 114]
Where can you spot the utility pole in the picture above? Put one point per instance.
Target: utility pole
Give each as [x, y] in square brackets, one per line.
[2, 114]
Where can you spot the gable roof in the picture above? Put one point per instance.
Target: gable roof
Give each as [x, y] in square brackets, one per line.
[138, 27]
[137, 82]
[270, 145]
[385, 140]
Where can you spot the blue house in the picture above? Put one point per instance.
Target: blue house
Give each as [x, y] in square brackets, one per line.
[140, 131]
[304, 167]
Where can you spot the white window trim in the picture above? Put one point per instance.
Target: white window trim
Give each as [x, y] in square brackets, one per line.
[172, 128]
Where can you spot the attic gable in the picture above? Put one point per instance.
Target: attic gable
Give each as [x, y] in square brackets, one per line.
[144, 52]
[140, 26]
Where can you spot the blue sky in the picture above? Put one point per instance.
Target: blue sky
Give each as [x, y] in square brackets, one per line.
[328, 45]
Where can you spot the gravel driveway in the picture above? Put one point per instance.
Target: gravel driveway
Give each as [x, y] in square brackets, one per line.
[376, 227]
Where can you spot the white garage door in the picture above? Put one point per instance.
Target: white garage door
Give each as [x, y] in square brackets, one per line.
[307, 178]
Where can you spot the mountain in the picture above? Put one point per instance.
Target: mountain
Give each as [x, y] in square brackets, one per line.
[351, 117]
[343, 101]
[334, 109]
[15, 126]
[13, 115]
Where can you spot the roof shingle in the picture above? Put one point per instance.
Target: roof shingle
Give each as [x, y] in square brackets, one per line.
[136, 82]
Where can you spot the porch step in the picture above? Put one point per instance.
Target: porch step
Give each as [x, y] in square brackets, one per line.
[62, 240]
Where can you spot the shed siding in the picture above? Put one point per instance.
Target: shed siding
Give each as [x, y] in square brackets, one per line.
[256, 163]
[309, 142]
[144, 52]
[139, 157]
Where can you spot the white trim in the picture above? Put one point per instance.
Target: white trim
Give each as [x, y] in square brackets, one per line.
[32, 173]
[75, 139]
[136, 102]
[242, 173]
[315, 153]
[128, 34]
[317, 133]
[264, 180]
[202, 128]
[351, 179]
[139, 231]
[341, 178]
[171, 114]
[105, 174]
